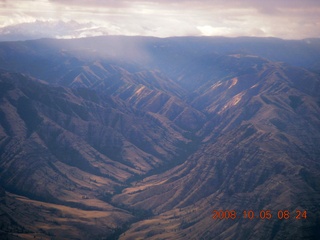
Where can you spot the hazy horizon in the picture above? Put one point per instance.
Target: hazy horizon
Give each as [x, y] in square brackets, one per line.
[74, 19]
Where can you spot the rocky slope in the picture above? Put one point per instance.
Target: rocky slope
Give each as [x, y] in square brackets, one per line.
[144, 138]
[76, 147]
[259, 151]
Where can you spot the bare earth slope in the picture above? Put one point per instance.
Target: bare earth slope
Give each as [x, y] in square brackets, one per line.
[129, 137]
[73, 148]
[259, 151]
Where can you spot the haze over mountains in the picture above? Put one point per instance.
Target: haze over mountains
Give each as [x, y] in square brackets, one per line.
[141, 137]
[50, 29]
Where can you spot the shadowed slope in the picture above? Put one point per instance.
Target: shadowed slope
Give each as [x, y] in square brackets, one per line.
[76, 147]
[259, 151]
[145, 137]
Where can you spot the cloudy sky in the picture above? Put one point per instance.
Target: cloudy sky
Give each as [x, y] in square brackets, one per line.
[289, 19]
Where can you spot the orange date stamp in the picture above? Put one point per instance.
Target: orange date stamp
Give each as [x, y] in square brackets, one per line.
[262, 214]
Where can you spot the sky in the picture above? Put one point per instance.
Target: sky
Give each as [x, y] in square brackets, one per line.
[288, 19]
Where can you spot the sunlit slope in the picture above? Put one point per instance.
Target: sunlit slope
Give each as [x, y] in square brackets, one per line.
[75, 148]
[143, 137]
[259, 151]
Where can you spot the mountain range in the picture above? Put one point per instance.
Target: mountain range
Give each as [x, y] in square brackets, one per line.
[145, 138]
[50, 29]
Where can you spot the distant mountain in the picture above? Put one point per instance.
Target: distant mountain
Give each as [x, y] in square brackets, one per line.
[49, 29]
[140, 137]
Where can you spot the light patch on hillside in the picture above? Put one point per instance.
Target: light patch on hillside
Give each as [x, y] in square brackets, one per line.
[233, 102]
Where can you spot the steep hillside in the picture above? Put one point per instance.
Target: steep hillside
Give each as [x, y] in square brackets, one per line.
[259, 151]
[137, 137]
[75, 147]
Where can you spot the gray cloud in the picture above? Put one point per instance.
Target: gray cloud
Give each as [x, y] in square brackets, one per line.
[220, 3]
[278, 18]
[49, 29]
[264, 6]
